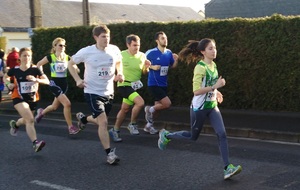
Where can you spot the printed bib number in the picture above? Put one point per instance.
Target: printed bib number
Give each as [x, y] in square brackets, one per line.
[164, 70]
[211, 96]
[28, 87]
[104, 73]
[136, 85]
[60, 67]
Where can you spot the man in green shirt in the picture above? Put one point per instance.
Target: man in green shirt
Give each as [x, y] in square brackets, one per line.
[134, 65]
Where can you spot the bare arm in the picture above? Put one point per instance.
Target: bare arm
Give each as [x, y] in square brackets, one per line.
[119, 67]
[73, 69]
[43, 79]
[175, 57]
[6, 80]
[146, 66]
[42, 62]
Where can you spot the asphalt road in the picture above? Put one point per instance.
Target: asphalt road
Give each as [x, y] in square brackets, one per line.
[79, 162]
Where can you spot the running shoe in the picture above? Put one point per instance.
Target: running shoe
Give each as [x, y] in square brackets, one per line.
[13, 128]
[115, 135]
[39, 115]
[163, 140]
[133, 129]
[148, 114]
[150, 129]
[38, 145]
[73, 130]
[79, 116]
[231, 171]
[112, 158]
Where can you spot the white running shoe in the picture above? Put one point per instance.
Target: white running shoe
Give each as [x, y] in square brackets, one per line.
[133, 129]
[115, 135]
[79, 116]
[112, 158]
[150, 129]
[148, 115]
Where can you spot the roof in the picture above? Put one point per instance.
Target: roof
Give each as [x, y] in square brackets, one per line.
[222, 9]
[69, 13]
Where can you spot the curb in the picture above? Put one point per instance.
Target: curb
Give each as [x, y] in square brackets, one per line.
[207, 129]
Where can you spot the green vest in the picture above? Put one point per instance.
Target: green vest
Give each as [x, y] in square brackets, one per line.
[58, 68]
[211, 78]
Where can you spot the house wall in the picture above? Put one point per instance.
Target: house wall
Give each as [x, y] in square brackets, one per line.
[16, 39]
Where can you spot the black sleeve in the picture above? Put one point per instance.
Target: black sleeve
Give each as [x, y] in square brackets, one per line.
[39, 72]
[49, 58]
[11, 72]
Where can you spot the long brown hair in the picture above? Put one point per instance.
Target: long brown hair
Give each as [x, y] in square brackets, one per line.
[191, 53]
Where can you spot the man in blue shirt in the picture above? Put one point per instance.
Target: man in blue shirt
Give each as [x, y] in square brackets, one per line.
[161, 60]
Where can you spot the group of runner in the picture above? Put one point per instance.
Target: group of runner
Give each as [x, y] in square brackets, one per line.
[105, 64]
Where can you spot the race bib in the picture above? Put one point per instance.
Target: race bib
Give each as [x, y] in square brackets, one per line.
[104, 73]
[60, 67]
[164, 70]
[28, 87]
[211, 96]
[136, 85]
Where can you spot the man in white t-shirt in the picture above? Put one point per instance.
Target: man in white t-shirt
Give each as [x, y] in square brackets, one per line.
[101, 60]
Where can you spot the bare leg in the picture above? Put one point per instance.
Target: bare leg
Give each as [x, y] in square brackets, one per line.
[138, 105]
[164, 103]
[101, 121]
[121, 115]
[26, 119]
[63, 99]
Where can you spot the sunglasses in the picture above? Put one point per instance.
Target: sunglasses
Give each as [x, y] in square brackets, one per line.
[60, 45]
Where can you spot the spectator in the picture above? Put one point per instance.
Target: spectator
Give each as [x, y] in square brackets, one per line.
[13, 58]
[12, 61]
[2, 72]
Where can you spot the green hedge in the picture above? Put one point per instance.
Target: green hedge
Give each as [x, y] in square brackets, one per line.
[259, 58]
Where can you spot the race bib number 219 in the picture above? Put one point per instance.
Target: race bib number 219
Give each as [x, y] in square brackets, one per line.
[103, 73]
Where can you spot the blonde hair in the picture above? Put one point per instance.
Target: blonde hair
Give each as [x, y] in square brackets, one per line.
[55, 42]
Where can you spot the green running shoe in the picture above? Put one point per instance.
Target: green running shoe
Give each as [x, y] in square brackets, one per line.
[163, 140]
[231, 171]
